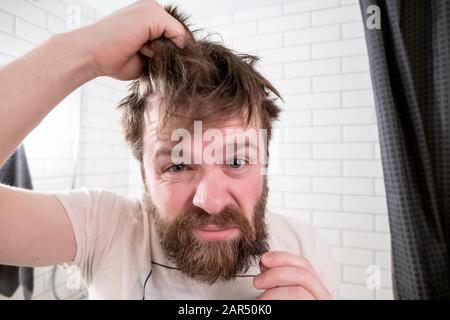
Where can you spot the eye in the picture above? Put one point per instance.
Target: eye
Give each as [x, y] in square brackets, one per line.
[236, 163]
[177, 168]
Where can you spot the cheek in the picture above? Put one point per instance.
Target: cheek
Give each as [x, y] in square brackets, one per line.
[247, 191]
[170, 199]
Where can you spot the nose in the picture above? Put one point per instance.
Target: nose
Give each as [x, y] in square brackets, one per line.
[212, 194]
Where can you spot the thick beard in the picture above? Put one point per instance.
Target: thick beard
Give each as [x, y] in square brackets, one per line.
[212, 261]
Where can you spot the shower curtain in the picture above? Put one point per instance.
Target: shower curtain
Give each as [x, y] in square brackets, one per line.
[409, 62]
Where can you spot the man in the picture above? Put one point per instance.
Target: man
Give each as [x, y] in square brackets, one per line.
[201, 229]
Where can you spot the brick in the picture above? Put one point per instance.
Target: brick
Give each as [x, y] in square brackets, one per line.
[237, 30]
[343, 116]
[56, 25]
[215, 21]
[110, 166]
[312, 201]
[380, 189]
[360, 276]
[13, 46]
[271, 71]
[280, 55]
[304, 215]
[290, 184]
[266, 41]
[312, 68]
[365, 204]
[313, 100]
[343, 151]
[275, 199]
[44, 185]
[5, 58]
[358, 257]
[119, 180]
[25, 11]
[353, 30]
[366, 240]
[311, 35]
[258, 13]
[355, 292]
[343, 186]
[284, 23]
[6, 22]
[92, 120]
[295, 118]
[384, 294]
[55, 7]
[290, 151]
[37, 168]
[363, 169]
[383, 259]
[341, 82]
[339, 48]
[313, 134]
[367, 133]
[95, 181]
[355, 275]
[309, 5]
[336, 15]
[28, 31]
[346, 221]
[382, 224]
[55, 168]
[377, 150]
[359, 98]
[313, 168]
[355, 64]
[289, 86]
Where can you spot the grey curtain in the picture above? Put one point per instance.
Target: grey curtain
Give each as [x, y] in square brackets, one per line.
[409, 63]
[16, 173]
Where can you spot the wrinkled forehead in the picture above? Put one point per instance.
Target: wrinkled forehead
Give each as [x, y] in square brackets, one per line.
[157, 130]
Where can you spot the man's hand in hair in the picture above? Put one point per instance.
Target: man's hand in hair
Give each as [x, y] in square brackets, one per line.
[114, 42]
[288, 276]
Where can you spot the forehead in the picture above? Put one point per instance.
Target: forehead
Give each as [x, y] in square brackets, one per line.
[156, 133]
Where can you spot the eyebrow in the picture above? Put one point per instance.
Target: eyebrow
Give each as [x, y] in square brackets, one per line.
[239, 146]
[167, 152]
[162, 152]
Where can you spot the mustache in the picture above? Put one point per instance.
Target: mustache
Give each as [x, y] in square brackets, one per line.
[196, 217]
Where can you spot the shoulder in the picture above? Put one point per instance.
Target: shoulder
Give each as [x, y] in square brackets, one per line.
[95, 201]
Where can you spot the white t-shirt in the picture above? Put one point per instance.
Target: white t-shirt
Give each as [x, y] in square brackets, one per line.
[118, 251]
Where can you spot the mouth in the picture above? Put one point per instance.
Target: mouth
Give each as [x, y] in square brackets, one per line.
[212, 232]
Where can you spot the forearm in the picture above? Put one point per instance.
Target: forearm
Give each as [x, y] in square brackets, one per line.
[34, 84]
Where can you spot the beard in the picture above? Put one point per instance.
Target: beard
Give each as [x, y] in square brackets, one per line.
[212, 261]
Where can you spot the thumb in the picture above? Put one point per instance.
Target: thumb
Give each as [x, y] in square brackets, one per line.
[175, 31]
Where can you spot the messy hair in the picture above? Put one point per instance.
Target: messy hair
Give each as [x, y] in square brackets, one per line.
[203, 81]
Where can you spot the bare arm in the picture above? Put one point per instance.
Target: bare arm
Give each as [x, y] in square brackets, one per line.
[34, 228]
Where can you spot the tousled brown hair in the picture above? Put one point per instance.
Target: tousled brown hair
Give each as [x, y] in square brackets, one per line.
[203, 81]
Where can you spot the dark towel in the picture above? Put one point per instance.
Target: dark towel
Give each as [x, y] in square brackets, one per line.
[16, 173]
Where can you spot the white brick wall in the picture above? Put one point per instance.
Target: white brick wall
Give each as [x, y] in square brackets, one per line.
[50, 147]
[325, 154]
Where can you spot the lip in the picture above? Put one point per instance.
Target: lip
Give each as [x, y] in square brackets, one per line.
[213, 232]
